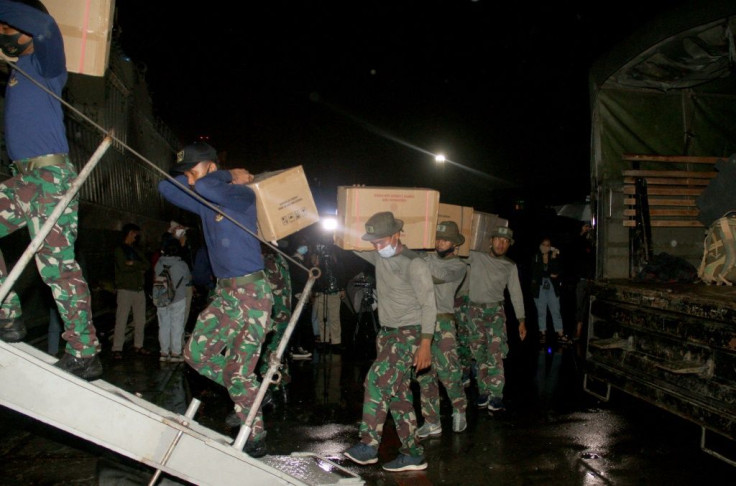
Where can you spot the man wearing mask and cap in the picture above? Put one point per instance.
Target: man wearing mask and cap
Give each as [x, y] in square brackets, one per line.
[407, 312]
[490, 274]
[226, 341]
[448, 271]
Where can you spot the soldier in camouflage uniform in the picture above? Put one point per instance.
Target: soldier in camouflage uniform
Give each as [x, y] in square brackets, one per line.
[490, 274]
[462, 324]
[36, 141]
[447, 271]
[277, 272]
[226, 341]
[407, 312]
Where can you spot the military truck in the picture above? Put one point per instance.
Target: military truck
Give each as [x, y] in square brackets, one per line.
[663, 108]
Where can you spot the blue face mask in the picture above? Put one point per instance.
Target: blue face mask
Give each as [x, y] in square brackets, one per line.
[302, 250]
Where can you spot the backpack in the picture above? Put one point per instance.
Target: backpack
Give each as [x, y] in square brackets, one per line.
[719, 252]
[163, 288]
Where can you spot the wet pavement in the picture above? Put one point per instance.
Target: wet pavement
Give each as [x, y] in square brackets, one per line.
[552, 433]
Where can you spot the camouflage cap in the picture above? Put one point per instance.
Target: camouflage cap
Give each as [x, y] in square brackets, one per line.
[448, 230]
[503, 232]
[381, 225]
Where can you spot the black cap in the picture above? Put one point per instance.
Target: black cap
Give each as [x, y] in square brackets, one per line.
[192, 155]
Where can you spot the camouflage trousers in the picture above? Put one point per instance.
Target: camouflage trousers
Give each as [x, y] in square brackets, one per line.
[273, 339]
[462, 322]
[388, 388]
[27, 200]
[226, 343]
[445, 369]
[489, 346]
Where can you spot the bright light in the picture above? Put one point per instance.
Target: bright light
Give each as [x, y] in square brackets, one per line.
[329, 223]
[439, 158]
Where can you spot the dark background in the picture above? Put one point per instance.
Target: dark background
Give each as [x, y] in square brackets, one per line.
[368, 92]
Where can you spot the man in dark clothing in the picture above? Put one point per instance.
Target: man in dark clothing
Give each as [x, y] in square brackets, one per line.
[226, 341]
[583, 261]
[35, 137]
[131, 266]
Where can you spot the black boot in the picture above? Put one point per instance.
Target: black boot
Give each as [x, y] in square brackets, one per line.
[12, 330]
[256, 448]
[88, 368]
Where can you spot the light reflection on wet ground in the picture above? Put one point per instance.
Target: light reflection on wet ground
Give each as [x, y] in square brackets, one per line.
[553, 433]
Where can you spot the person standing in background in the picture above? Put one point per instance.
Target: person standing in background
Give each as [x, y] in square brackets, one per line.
[35, 137]
[545, 288]
[131, 266]
[171, 318]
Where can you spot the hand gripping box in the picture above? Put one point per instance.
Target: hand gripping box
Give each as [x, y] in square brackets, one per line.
[463, 217]
[417, 207]
[86, 26]
[483, 226]
[284, 202]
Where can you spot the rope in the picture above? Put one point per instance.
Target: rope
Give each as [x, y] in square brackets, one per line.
[108, 133]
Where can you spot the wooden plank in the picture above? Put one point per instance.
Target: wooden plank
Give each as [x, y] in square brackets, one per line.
[661, 201]
[701, 174]
[669, 181]
[678, 159]
[630, 223]
[665, 191]
[655, 213]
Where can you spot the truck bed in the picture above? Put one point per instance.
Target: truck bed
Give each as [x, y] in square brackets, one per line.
[673, 345]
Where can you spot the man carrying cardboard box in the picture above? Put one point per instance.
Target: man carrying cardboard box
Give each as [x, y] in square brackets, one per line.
[490, 274]
[35, 137]
[238, 317]
[448, 271]
[407, 312]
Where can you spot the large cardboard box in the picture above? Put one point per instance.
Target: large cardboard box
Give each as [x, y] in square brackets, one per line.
[86, 26]
[463, 217]
[284, 202]
[483, 226]
[417, 207]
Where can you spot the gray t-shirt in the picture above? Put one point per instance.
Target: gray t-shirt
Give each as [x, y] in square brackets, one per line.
[489, 276]
[404, 290]
[447, 273]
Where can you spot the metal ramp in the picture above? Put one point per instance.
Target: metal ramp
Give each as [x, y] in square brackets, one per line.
[124, 423]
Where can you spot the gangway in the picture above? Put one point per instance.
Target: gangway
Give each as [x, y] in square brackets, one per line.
[129, 425]
[133, 427]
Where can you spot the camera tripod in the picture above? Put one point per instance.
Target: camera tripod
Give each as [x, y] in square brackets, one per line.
[364, 337]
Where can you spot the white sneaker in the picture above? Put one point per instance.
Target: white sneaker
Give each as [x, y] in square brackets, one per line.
[459, 422]
[429, 429]
[300, 353]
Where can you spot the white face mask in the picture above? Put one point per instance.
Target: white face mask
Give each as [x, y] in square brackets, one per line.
[302, 250]
[179, 233]
[387, 251]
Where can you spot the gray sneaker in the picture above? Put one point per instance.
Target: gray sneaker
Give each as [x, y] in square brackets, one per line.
[429, 429]
[406, 463]
[459, 422]
[362, 454]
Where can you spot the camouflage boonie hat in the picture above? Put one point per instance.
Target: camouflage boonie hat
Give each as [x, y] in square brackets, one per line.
[448, 230]
[381, 225]
[504, 232]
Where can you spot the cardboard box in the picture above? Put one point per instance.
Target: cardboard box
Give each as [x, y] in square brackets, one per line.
[483, 226]
[417, 207]
[284, 202]
[86, 26]
[463, 217]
